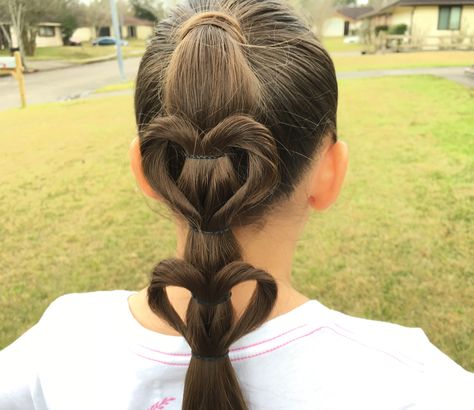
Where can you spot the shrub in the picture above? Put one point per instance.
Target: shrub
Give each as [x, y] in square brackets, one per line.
[379, 28]
[398, 29]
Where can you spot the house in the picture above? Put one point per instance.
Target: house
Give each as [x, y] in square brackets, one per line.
[48, 35]
[131, 27]
[344, 21]
[429, 22]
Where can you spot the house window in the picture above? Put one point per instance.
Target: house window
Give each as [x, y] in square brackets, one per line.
[46, 31]
[104, 31]
[449, 17]
[132, 31]
[346, 27]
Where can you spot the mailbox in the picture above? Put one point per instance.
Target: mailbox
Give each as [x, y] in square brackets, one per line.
[14, 66]
[7, 62]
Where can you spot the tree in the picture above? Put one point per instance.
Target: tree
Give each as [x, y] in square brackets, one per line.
[68, 25]
[5, 38]
[14, 12]
[151, 10]
[317, 12]
[24, 16]
[98, 13]
[71, 16]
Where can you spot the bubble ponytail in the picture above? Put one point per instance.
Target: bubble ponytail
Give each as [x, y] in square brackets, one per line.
[224, 132]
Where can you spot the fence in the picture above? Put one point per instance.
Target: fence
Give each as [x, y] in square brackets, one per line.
[405, 42]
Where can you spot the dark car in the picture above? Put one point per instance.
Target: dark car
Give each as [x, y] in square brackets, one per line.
[107, 41]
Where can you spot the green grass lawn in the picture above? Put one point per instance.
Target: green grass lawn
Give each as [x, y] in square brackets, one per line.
[403, 60]
[337, 44]
[127, 85]
[397, 246]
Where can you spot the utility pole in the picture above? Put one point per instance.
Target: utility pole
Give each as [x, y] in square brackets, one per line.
[118, 37]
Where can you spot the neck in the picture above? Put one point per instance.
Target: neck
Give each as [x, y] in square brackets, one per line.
[270, 249]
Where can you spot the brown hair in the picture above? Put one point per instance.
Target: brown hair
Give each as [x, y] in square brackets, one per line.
[233, 99]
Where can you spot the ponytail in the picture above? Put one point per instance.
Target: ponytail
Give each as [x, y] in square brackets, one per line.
[212, 179]
[232, 101]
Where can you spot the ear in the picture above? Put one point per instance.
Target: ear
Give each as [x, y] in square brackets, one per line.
[328, 176]
[136, 167]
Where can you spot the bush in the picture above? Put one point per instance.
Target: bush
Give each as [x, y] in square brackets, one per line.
[398, 29]
[379, 28]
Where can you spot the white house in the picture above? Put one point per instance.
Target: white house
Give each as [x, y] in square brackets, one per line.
[49, 34]
[131, 27]
[344, 21]
[430, 21]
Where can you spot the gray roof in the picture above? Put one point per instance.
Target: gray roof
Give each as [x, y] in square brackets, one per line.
[401, 3]
[354, 12]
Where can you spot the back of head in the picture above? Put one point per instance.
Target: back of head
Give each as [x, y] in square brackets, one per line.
[233, 99]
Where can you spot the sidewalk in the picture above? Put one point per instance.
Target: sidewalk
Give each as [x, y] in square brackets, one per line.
[47, 65]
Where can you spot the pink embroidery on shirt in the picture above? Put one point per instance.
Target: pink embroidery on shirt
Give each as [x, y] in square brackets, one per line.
[232, 349]
[162, 403]
[286, 343]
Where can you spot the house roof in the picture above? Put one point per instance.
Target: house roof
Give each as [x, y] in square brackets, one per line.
[353, 13]
[42, 23]
[404, 3]
[49, 23]
[135, 21]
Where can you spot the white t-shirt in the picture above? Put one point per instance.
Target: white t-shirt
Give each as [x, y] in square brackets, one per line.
[88, 352]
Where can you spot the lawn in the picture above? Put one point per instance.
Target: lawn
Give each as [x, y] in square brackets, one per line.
[127, 85]
[397, 246]
[337, 44]
[403, 60]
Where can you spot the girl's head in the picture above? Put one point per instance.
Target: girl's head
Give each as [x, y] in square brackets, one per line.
[236, 105]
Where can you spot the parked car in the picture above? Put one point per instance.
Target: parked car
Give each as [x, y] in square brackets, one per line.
[108, 41]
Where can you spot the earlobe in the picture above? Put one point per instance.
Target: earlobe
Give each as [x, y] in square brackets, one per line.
[328, 177]
[136, 167]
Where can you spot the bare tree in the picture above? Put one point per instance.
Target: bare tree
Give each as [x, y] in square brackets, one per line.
[16, 11]
[148, 9]
[98, 13]
[24, 16]
[5, 40]
[5, 37]
[317, 12]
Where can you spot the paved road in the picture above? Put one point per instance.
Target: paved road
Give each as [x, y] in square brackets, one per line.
[79, 81]
[65, 83]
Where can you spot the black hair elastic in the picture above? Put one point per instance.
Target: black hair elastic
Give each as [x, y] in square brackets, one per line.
[216, 232]
[203, 156]
[210, 358]
[223, 299]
